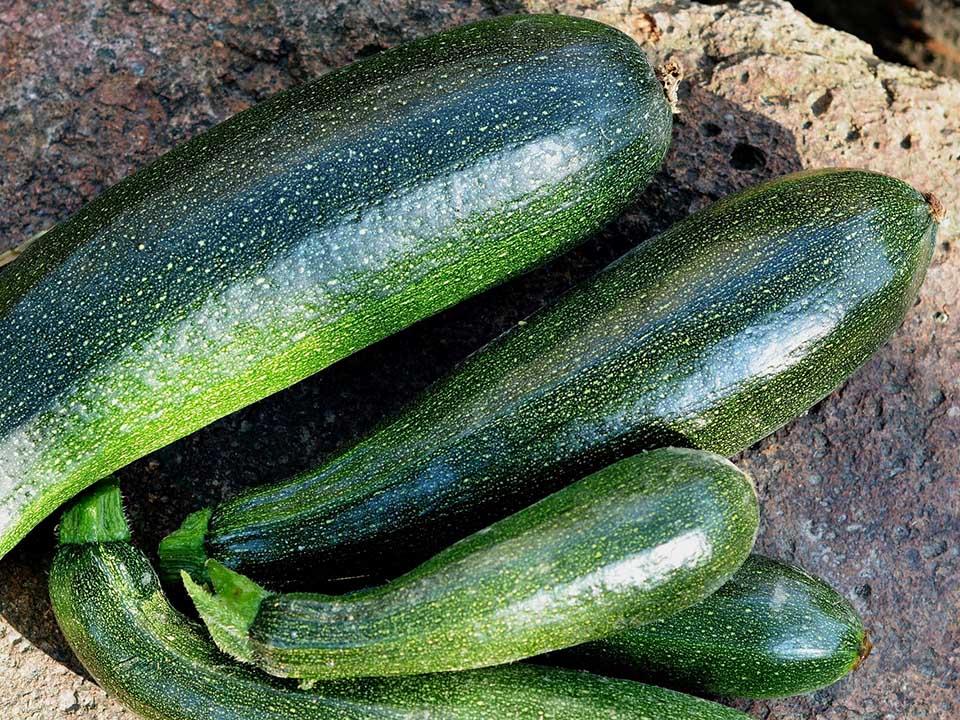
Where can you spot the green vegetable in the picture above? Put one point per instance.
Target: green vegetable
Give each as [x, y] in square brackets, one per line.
[711, 335]
[159, 664]
[304, 229]
[641, 539]
[771, 631]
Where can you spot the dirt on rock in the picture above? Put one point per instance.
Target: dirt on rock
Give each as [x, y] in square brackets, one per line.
[862, 490]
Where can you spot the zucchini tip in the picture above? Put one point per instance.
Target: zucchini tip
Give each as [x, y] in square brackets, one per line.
[937, 210]
[863, 652]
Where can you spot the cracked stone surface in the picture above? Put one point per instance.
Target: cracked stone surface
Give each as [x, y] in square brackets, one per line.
[862, 490]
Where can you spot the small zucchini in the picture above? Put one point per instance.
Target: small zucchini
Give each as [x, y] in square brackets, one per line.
[711, 335]
[162, 666]
[772, 631]
[306, 228]
[640, 539]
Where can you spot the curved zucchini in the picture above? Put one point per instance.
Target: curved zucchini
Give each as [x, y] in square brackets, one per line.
[772, 631]
[711, 335]
[113, 613]
[304, 229]
[640, 539]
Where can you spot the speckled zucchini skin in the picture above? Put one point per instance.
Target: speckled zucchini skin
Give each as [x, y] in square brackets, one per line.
[772, 631]
[306, 228]
[113, 613]
[641, 539]
[711, 335]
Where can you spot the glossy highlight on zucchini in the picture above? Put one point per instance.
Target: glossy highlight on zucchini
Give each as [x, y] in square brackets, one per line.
[306, 228]
[162, 666]
[772, 631]
[641, 539]
[711, 335]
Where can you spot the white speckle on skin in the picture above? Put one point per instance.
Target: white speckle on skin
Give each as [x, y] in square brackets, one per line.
[222, 296]
[18, 455]
[779, 596]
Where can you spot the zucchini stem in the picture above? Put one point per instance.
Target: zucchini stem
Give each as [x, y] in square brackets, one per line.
[228, 611]
[670, 74]
[96, 516]
[185, 550]
[937, 210]
[866, 646]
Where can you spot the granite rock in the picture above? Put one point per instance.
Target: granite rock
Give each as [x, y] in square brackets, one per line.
[862, 490]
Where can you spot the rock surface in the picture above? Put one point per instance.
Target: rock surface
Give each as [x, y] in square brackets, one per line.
[922, 33]
[862, 490]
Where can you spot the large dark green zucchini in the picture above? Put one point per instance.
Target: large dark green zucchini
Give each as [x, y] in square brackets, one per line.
[641, 539]
[711, 335]
[306, 228]
[112, 611]
[772, 631]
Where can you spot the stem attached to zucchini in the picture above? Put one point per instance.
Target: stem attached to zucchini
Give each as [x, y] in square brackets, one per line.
[183, 549]
[96, 517]
[229, 613]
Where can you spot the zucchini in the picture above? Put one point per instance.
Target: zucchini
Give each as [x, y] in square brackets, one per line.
[304, 229]
[113, 613]
[772, 631]
[711, 335]
[640, 539]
